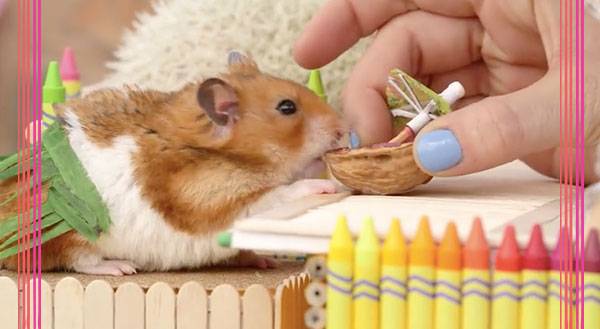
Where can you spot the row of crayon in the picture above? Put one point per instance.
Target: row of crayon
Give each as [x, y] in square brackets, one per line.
[429, 286]
[59, 85]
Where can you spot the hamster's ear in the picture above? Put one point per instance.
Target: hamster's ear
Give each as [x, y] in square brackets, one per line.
[239, 62]
[220, 103]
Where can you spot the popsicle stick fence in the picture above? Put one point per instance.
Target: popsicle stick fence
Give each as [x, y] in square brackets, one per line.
[70, 305]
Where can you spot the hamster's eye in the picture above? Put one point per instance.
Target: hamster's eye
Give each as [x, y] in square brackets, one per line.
[286, 107]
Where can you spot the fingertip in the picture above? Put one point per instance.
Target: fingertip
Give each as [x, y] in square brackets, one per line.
[302, 54]
[368, 115]
[437, 152]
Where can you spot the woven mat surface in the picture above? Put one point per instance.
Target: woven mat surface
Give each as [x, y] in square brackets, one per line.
[240, 278]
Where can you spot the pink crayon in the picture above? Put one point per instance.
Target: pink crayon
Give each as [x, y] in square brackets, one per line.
[559, 260]
[592, 252]
[70, 74]
[564, 245]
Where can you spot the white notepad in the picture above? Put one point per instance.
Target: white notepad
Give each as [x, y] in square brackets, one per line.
[509, 194]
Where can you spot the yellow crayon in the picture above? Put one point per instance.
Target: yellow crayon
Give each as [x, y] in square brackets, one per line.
[393, 279]
[476, 299]
[536, 263]
[554, 293]
[506, 283]
[421, 278]
[592, 300]
[365, 291]
[533, 303]
[339, 277]
[476, 280]
[448, 281]
[72, 88]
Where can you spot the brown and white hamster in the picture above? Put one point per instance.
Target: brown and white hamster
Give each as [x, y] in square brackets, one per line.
[175, 169]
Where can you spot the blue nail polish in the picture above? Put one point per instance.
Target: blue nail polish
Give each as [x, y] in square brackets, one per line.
[354, 140]
[438, 150]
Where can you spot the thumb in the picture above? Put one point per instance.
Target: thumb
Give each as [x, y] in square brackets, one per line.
[491, 132]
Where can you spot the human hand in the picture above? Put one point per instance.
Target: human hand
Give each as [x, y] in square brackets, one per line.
[505, 53]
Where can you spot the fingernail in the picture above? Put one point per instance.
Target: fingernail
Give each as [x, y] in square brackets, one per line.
[438, 150]
[354, 140]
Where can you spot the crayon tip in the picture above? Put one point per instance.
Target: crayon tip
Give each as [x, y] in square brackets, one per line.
[476, 252]
[563, 247]
[449, 253]
[394, 247]
[367, 236]
[422, 248]
[341, 235]
[53, 90]
[68, 66]
[224, 239]
[536, 256]
[592, 252]
[316, 84]
[507, 257]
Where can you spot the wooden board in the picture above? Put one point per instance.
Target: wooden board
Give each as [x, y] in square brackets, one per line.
[240, 278]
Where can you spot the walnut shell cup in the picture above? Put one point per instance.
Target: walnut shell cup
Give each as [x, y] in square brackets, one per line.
[382, 171]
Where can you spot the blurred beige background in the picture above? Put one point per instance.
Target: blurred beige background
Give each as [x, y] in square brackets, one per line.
[93, 28]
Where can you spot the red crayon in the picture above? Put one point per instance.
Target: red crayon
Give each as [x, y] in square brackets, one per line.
[536, 263]
[536, 256]
[505, 282]
[507, 257]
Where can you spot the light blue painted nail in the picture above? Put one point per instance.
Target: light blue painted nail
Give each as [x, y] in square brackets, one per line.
[438, 150]
[354, 140]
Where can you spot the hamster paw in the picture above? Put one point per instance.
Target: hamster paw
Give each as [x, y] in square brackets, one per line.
[247, 258]
[307, 187]
[109, 267]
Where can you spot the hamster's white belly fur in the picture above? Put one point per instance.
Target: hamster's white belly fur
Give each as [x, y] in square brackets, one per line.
[138, 232]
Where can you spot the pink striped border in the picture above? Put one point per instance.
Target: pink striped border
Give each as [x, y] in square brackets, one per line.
[572, 160]
[29, 80]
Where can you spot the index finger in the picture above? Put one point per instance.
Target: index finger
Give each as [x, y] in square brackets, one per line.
[339, 24]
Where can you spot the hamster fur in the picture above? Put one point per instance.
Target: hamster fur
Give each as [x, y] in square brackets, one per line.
[175, 169]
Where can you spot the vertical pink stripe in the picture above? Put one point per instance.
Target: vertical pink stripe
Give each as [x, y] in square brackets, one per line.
[561, 157]
[35, 164]
[582, 149]
[19, 145]
[38, 302]
[576, 151]
[28, 207]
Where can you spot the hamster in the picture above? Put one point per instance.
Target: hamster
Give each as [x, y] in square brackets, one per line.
[175, 169]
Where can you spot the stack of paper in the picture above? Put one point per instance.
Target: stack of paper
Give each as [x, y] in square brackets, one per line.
[510, 194]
